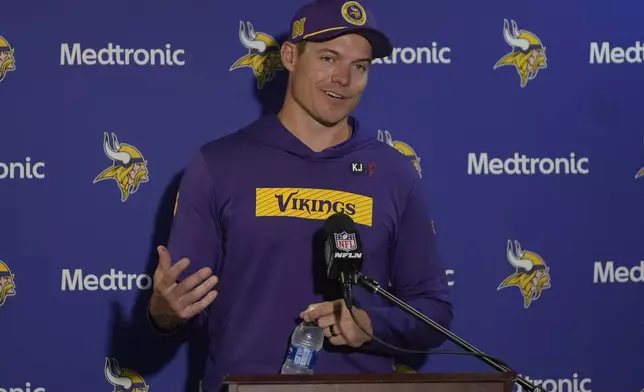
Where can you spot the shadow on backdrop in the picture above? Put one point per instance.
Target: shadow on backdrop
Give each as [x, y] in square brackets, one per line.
[133, 342]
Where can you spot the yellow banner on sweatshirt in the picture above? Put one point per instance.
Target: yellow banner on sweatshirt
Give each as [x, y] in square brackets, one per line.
[312, 203]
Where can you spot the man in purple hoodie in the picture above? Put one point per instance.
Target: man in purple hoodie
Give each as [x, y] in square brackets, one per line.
[244, 258]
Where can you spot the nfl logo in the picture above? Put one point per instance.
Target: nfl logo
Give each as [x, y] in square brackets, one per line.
[345, 241]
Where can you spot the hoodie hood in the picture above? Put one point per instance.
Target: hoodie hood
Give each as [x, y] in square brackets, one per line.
[270, 131]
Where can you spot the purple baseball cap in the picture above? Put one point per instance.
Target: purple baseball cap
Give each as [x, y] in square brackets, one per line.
[323, 20]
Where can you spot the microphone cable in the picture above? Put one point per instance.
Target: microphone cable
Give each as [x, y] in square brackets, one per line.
[404, 350]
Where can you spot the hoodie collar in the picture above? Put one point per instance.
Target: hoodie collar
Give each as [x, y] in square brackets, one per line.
[270, 130]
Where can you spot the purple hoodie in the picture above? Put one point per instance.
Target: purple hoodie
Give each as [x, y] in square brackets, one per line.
[252, 205]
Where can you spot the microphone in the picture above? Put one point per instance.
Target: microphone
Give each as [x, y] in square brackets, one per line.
[343, 254]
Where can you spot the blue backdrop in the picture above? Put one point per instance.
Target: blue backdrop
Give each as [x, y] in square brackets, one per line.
[495, 151]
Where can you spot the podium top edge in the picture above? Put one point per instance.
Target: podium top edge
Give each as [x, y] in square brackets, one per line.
[366, 378]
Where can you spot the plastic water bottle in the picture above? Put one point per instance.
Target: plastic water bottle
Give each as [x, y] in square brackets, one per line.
[306, 342]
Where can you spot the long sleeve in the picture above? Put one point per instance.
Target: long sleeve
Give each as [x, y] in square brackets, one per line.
[418, 278]
[196, 232]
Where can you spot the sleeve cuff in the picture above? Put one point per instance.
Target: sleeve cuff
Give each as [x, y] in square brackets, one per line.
[159, 330]
[381, 330]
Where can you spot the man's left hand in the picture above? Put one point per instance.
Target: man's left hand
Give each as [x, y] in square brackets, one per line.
[337, 324]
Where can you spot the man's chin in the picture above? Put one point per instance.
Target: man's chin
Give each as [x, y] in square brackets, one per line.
[331, 118]
[328, 122]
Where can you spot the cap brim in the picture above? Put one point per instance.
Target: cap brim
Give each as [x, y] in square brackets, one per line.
[380, 44]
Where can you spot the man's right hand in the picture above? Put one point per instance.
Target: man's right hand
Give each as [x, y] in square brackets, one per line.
[174, 303]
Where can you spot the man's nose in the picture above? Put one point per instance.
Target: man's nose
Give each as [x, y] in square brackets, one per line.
[342, 76]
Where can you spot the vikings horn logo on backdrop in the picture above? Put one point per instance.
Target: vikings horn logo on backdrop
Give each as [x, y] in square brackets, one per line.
[403, 148]
[263, 55]
[7, 59]
[129, 169]
[640, 173]
[7, 284]
[532, 274]
[124, 380]
[528, 54]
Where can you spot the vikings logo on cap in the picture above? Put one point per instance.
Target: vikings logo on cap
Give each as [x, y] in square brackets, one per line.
[353, 13]
[7, 284]
[532, 275]
[129, 169]
[403, 148]
[528, 54]
[263, 55]
[345, 241]
[124, 380]
[7, 59]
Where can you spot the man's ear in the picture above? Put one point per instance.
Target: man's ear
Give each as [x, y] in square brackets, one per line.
[288, 53]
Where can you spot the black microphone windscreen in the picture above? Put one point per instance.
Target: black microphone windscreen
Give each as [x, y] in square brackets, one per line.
[338, 222]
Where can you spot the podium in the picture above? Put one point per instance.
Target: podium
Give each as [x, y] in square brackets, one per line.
[390, 382]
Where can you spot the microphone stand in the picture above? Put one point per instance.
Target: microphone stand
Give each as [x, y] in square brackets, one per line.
[347, 286]
[374, 287]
